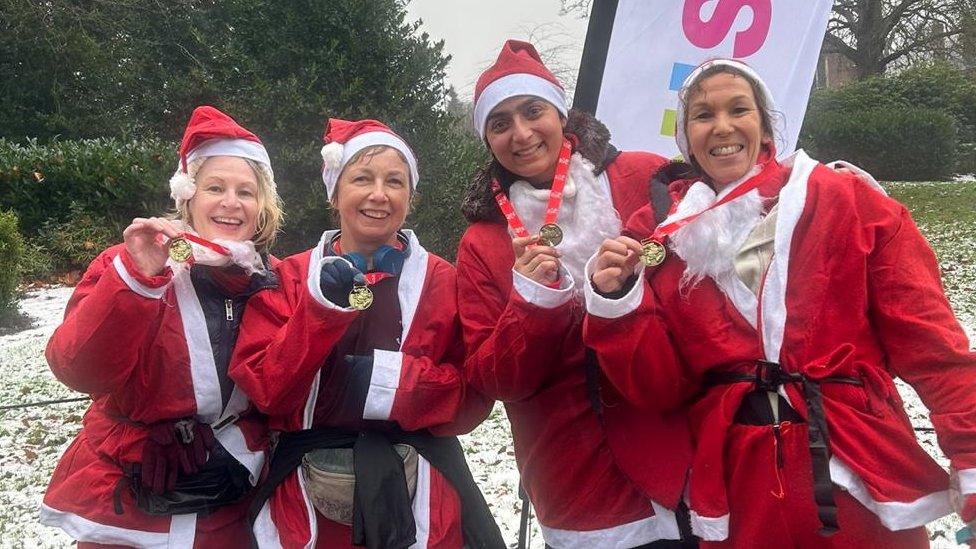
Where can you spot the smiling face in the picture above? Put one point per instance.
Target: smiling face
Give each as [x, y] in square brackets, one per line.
[725, 127]
[372, 197]
[525, 134]
[226, 201]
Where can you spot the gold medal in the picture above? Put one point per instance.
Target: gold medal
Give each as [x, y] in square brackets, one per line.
[361, 297]
[652, 252]
[180, 250]
[550, 234]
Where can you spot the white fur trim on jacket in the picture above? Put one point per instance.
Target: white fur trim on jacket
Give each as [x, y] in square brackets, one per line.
[135, 285]
[894, 515]
[181, 534]
[383, 384]
[544, 296]
[662, 525]
[710, 528]
[603, 307]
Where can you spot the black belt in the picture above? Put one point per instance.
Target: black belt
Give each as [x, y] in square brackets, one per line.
[382, 515]
[769, 376]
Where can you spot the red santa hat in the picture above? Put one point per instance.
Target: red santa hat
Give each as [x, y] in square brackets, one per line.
[212, 133]
[344, 138]
[680, 137]
[517, 71]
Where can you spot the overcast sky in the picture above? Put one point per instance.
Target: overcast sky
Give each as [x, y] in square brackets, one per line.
[474, 30]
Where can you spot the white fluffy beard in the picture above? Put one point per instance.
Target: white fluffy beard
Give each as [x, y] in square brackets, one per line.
[587, 215]
[709, 244]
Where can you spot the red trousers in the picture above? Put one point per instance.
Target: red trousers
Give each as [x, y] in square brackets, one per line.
[774, 507]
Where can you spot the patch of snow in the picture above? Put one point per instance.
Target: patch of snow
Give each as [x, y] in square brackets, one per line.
[32, 440]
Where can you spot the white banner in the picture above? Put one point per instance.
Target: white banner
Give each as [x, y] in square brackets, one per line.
[656, 43]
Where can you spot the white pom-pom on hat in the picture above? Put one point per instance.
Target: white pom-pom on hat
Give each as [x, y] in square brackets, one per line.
[332, 155]
[182, 187]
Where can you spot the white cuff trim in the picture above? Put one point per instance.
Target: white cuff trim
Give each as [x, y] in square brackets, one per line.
[541, 295]
[383, 384]
[710, 528]
[967, 481]
[662, 525]
[135, 285]
[894, 515]
[600, 306]
[314, 288]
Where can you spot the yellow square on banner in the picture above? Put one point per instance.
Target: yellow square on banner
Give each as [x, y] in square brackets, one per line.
[667, 125]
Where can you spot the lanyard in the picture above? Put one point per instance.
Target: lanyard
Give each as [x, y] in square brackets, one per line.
[550, 233]
[181, 251]
[653, 251]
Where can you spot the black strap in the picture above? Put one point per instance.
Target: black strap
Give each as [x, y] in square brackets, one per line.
[768, 377]
[381, 491]
[817, 435]
[523, 537]
[443, 453]
[591, 367]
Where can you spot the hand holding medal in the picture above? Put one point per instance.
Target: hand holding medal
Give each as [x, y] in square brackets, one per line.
[535, 260]
[147, 243]
[616, 261]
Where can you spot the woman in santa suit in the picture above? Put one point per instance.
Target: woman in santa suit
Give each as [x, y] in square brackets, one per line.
[356, 360]
[522, 314]
[790, 296]
[169, 449]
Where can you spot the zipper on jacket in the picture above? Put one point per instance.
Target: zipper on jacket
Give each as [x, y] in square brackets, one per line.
[229, 309]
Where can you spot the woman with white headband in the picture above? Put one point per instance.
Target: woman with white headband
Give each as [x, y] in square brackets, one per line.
[787, 298]
[169, 449]
[356, 361]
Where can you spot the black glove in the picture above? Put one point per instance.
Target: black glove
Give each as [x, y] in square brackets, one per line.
[336, 281]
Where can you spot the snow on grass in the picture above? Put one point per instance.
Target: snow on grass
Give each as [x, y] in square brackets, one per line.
[31, 441]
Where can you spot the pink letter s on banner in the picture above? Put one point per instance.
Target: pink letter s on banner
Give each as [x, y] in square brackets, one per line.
[708, 34]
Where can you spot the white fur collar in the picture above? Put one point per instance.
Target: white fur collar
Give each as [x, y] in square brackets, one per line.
[587, 215]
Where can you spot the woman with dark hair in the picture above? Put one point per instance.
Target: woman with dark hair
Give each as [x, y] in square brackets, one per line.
[356, 360]
[787, 298]
[554, 190]
[169, 448]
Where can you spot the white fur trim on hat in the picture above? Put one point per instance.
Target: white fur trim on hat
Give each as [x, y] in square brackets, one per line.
[242, 148]
[680, 137]
[514, 85]
[331, 170]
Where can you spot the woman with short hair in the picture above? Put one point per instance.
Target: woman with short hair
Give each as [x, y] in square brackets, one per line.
[356, 360]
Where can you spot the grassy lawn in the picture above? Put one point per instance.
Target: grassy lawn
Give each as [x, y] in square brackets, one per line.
[946, 214]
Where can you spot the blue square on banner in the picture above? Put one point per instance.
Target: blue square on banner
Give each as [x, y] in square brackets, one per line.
[679, 71]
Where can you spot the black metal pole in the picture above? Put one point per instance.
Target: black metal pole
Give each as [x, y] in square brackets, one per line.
[594, 58]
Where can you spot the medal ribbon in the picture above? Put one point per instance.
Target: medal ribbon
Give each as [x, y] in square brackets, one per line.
[555, 194]
[205, 243]
[768, 172]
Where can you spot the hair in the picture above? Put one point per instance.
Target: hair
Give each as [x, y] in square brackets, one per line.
[768, 117]
[270, 211]
[365, 155]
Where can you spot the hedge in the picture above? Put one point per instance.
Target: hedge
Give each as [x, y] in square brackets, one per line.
[892, 144]
[11, 251]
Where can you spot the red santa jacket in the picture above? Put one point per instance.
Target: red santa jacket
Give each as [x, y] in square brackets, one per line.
[591, 487]
[853, 290]
[286, 338]
[139, 345]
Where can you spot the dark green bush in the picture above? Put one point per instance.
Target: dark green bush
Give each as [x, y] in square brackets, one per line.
[936, 87]
[11, 251]
[896, 143]
[73, 242]
[109, 178]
